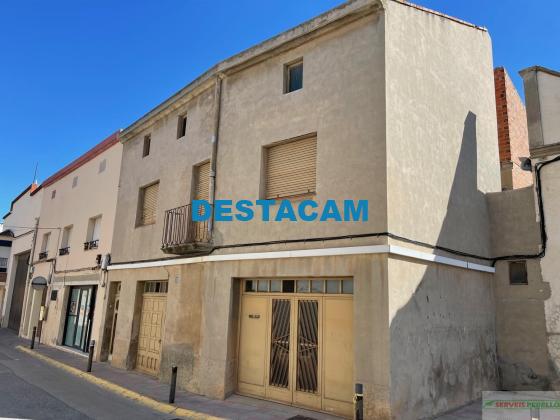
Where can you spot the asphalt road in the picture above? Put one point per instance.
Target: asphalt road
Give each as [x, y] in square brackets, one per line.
[32, 389]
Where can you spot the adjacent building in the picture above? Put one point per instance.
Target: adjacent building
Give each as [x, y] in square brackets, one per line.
[6, 237]
[512, 132]
[347, 105]
[74, 237]
[21, 221]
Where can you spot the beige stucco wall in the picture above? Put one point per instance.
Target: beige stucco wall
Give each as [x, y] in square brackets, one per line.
[95, 194]
[344, 105]
[550, 263]
[442, 342]
[201, 322]
[170, 161]
[442, 148]
[523, 357]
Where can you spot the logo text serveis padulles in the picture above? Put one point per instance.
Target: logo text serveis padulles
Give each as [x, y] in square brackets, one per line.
[281, 210]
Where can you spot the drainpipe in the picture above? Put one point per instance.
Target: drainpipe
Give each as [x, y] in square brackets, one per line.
[23, 318]
[215, 136]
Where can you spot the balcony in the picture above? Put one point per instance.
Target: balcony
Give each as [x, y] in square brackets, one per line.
[181, 235]
[64, 251]
[91, 245]
[43, 255]
[3, 265]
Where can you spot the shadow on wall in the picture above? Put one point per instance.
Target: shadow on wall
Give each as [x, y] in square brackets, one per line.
[442, 336]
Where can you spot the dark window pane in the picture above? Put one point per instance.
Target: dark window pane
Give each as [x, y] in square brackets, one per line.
[518, 272]
[263, 286]
[347, 287]
[288, 286]
[295, 77]
[303, 286]
[333, 286]
[276, 286]
[317, 286]
[250, 285]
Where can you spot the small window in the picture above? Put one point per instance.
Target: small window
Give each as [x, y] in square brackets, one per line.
[93, 233]
[75, 182]
[102, 165]
[147, 141]
[45, 243]
[293, 76]
[518, 272]
[147, 208]
[181, 126]
[333, 286]
[250, 285]
[262, 286]
[65, 244]
[53, 194]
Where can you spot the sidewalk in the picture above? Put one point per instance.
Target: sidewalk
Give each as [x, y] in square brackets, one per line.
[234, 407]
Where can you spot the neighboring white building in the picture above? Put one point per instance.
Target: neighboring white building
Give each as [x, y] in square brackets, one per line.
[20, 220]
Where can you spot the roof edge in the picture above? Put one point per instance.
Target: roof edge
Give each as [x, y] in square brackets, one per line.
[440, 14]
[348, 10]
[539, 68]
[81, 160]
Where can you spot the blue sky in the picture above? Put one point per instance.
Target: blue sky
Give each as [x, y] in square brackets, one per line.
[72, 72]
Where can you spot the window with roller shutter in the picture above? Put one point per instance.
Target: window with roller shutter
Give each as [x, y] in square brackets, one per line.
[291, 168]
[202, 186]
[148, 204]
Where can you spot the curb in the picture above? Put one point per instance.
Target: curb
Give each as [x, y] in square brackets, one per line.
[119, 390]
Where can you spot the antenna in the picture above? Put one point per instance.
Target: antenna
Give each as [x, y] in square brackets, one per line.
[35, 173]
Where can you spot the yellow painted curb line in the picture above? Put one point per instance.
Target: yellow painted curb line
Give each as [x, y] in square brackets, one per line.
[117, 389]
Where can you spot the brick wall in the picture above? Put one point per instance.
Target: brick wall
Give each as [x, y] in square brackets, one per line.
[513, 138]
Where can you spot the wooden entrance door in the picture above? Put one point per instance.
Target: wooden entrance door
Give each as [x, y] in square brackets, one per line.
[152, 319]
[296, 343]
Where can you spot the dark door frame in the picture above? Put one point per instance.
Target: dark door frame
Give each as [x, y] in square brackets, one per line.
[89, 316]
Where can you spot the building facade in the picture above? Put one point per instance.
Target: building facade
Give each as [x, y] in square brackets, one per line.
[74, 237]
[21, 220]
[347, 106]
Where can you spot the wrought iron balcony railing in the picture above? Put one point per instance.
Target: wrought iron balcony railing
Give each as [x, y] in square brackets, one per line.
[64, 251]
[43, 255]
[3, 265]
[182, 235]
[91, 244]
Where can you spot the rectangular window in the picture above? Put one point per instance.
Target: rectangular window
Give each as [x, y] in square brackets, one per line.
[202, 179]
[293, 76]
[147, 142]
[45, 243]
[290, 168]
[75, 182]
[102, 165]
[65, 244]
[93, 233]
[181, 126]
[518, 272]
[53, 194]
[147, 208]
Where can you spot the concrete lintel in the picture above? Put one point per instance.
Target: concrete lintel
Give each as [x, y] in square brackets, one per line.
[318, 252]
